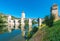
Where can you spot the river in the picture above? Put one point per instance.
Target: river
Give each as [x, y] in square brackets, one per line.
[15, 35]
[8, 34]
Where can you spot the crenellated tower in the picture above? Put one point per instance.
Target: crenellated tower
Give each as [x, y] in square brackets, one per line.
[54, 11]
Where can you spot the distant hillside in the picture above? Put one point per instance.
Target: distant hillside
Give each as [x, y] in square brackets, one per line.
[5, 16]
[48, 33]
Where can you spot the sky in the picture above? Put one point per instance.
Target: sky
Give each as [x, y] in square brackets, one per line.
[32, 8]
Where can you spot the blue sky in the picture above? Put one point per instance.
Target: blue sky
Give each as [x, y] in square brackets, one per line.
[32, 8]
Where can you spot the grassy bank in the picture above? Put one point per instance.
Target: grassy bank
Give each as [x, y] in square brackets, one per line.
[48, 33]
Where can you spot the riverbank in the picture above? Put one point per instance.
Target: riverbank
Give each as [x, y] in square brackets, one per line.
[48, 33]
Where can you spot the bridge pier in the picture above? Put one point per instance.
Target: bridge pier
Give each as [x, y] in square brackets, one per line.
[39, 22]
[30, 24]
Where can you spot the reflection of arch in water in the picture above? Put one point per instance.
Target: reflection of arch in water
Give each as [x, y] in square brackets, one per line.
[16, 27]
[16, 24]
[9, 28]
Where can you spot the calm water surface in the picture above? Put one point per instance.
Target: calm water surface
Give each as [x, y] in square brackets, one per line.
[7, 34]
[15, 35]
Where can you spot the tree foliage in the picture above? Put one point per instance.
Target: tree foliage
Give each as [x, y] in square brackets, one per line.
[49, 20]
[2, 21]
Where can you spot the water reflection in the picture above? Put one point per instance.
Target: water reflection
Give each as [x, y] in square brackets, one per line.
[9, 29]
[15, 35]
[12, 33]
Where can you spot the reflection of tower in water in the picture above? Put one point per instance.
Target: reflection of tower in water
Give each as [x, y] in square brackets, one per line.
[23, 33]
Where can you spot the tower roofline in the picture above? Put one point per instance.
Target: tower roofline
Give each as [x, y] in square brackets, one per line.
[55, 4]
[23, 11]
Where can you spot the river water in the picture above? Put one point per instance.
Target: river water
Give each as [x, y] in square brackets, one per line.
[14, 35]
[8, 34]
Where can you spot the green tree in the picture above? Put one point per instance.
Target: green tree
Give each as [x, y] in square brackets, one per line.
[2, 22]
[49, 20]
